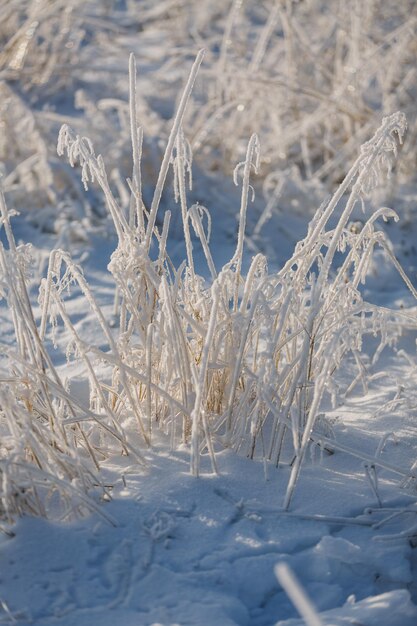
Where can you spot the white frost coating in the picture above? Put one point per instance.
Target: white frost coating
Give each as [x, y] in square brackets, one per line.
[170, 146]
[297, 595]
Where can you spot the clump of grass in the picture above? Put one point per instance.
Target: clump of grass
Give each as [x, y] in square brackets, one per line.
[43, 466]
[322, 90]
[239, 361]
[312, 95]
[206, 363]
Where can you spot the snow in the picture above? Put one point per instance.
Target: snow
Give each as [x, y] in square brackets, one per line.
[187, 551]
[165, 548]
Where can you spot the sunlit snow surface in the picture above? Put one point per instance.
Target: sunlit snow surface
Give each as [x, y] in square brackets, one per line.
[203, 551]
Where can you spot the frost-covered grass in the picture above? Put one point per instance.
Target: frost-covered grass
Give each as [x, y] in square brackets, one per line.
[198, 362]
[312, 80]
[236, 361]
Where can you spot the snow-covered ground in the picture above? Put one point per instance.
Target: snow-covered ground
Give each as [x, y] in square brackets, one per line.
[161, 546]
[181, 550]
